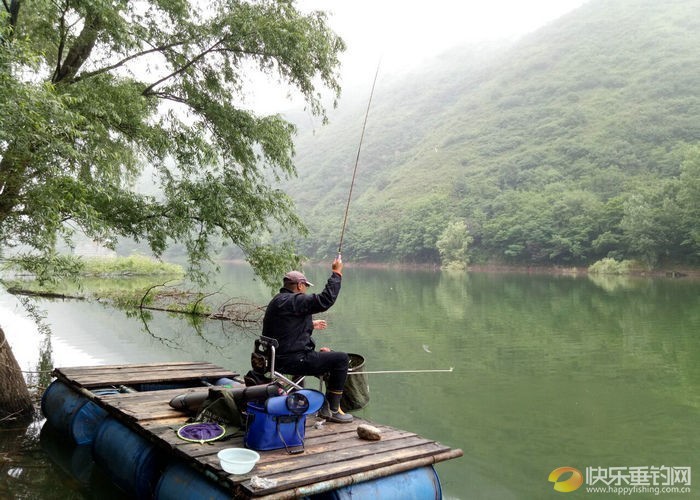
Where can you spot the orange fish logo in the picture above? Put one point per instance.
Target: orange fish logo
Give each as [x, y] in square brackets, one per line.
[573, 483]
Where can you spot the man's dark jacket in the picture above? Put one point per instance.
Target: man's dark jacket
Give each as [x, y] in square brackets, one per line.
[288, 317]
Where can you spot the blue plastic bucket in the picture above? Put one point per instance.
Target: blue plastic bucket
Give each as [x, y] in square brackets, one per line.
[181, 482]
[418, 484]
[131, 461]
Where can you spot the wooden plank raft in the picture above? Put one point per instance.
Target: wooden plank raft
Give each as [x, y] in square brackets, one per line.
[334, 455]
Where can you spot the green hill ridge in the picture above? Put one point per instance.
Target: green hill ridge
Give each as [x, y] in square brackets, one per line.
[576, 143]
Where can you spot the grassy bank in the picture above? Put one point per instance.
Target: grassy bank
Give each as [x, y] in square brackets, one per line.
[134, 265]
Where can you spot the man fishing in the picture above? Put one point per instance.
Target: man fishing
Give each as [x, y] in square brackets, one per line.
[288, 318]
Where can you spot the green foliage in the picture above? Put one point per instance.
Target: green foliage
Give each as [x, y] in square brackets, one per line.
[91, 93]
[133, 294]
[573, 145]
[650, 223]
[134, 265]
[267, 260]
[48, 269]
[453, 246]
[610, 266]
[687, 199]
[69, 275]
[551, 226]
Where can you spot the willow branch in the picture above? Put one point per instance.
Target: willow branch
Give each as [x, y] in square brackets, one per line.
[148, 90]
[127, 59]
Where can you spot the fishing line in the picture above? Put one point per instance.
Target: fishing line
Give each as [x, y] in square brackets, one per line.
[357, 160]
[450, 370]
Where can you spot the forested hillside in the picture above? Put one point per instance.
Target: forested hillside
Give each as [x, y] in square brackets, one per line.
[577, 143]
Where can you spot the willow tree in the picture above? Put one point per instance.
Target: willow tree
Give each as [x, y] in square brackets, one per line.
[94, 92]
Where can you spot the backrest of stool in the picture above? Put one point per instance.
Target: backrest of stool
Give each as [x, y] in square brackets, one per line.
[262, 360]
[263, 357]
[266, 341]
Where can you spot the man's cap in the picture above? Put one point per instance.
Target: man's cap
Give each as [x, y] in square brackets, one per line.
[296, 277]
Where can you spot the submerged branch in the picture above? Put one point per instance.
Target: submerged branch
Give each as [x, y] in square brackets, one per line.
[243, 314]
[43, 294]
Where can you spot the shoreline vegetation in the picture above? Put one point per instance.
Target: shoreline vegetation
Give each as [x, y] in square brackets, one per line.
[133, 265]
[632, 269]
[134, 290]
[144, 295]
[168, 298]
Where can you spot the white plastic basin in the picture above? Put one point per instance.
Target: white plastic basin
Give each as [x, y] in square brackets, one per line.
[237, 460]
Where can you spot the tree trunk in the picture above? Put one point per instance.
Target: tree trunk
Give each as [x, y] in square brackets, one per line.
[15, 400]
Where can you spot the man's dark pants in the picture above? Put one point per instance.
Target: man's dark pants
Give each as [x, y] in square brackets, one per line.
[317, 363]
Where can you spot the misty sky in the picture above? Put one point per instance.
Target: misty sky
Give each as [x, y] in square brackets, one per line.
[402, 33]
[400, 30]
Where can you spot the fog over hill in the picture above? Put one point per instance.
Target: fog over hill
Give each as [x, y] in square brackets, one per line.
[577, 142]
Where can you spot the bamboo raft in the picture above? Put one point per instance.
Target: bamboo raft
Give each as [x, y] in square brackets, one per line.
[334, 455]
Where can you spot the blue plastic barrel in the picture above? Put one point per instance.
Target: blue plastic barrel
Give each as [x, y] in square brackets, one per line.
[74, 460]
[88, 418]
[107, 391]
[418, 484]
[59, 404]
[132, 462]
[228, 382]
[86, 423]
[181, 482]
[71, 413]
[164, 386]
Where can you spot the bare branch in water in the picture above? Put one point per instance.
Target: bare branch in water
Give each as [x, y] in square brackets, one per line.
[244, 314]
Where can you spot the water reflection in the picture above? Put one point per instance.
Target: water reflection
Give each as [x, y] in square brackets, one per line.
[549, 371]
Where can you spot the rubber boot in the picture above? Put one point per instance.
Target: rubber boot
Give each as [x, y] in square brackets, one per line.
[331, 409]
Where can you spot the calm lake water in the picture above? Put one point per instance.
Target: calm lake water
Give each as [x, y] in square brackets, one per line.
[549, 371]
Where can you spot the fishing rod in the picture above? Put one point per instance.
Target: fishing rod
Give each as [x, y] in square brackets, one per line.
[357, 160]
[450, 370]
